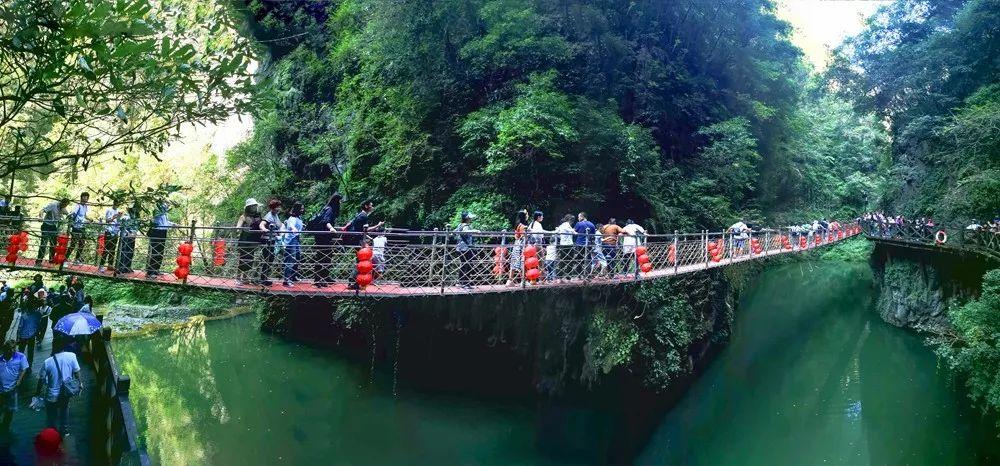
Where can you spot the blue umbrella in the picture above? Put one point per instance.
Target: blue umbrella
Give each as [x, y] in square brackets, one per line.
[78, 323]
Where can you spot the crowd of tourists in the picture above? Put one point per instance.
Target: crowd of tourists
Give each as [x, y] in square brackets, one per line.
[878, 223]
[26, 314]
[271, 235]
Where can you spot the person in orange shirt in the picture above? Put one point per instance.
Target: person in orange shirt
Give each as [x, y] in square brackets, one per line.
[609, 243]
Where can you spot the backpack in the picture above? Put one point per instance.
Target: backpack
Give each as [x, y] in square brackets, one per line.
[318, 222]
[68, 387]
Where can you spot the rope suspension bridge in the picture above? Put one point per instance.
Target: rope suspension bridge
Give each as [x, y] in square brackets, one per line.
[386, 264]
[946, 238]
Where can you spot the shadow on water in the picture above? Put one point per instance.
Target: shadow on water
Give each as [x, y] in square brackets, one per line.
[811, 376]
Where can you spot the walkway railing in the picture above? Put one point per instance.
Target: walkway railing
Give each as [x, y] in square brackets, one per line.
[121, 435]
[948, 237]
[402, 262]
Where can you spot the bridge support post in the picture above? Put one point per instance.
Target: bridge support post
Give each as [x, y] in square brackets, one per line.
[730, 246]
[444, 258]
[767, 243]
[677, 253]
[704, 246]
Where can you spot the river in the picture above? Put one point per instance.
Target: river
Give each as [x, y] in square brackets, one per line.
[811, 376]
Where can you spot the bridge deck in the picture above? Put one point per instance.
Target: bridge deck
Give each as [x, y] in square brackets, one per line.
[390, 289]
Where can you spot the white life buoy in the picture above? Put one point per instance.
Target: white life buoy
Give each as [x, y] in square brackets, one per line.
[941, 237]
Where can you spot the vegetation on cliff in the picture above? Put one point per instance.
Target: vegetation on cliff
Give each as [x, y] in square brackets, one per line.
[973, 347]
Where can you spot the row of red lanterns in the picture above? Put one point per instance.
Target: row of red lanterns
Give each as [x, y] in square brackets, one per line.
[643, 259]
[716, 250]
[365, 267]
[531, 262]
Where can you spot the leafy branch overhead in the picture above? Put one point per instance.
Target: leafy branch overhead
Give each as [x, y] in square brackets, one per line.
[83, 79]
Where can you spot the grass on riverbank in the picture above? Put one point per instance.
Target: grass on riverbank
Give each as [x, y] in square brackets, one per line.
[108, 293]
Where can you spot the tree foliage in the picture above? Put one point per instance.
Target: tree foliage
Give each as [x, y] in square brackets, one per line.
[82, 79]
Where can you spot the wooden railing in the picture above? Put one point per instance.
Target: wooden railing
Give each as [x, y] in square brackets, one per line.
[113, 408]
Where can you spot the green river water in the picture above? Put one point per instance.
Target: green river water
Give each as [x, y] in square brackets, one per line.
[811, 376]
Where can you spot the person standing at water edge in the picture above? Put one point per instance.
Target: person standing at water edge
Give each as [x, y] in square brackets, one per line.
[13, 367]
[51, 216]
[60, 373]
[78, 232]
[157, 239]
[292, 241]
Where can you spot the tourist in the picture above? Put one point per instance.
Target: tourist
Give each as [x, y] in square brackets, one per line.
[293, 227]
[33, 309]
[88, 305]
[251, 226]
[78, 232]
[111, 229]
[598, 261]
[537, 235]
[517, 252]
[633, 235]
[157, 239]
[129, 229]
[739, 231]
[356, 234]
[464, 242]
[322, 224]
[562, 264]
[272, 224]
[62, 305]
[582, 239]
[13, 367]
[609, 243]
[51, 216]
[59, 380]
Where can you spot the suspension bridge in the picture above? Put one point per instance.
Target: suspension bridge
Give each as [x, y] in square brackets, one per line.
[391, 264]
[937, 238]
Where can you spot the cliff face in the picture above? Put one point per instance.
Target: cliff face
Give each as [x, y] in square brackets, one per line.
[916, 288]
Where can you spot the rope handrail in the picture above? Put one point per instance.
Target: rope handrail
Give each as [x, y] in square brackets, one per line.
[947, 236]
[398, 262]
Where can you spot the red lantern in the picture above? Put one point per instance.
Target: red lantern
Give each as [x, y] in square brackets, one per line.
[14, 239]
[365, 267]
[185, 249]
[641, 250]
[533, 274]
[643, 259]
[12, 258]
[183, 261]
[364, 280]
[12, 249]
[100, 245]
[497, 270]
[531, 263]
[646, 268]
[530, 251]
[181, 272]
[365, 254]
[62, 240]
[219, 252]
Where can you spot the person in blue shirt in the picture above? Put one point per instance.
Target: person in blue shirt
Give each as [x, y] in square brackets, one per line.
[157, 239]
[583, 237]
[13, 367]
[291, 237]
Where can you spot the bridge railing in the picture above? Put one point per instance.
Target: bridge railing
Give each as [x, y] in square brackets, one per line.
[955, 237]
[403, 262]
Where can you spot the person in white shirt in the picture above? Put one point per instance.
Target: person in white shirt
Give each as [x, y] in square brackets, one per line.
[78, 233]
[564, 246]
[634, 235]
[292, 229]
[111, 229]
[59, 367]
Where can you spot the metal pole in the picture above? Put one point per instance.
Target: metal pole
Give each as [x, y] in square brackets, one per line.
[750, 244]
[191, 240]
[730, 246]
[444, 259]
[704, 246]
[767, 242]
[676, 253]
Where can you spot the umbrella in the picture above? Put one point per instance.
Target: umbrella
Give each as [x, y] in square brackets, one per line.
[78, 323]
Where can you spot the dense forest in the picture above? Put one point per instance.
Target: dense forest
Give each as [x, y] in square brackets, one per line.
[681, 114]
[931, 70]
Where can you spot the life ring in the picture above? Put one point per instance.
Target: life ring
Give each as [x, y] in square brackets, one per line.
[941, 237]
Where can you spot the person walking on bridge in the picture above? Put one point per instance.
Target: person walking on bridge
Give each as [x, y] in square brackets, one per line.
[517, 251]
[157, 239]
[583, 240]
[633, 237]
[323, 226]
[564, 248]
[111, 230]
[272, 224]
[357, 234]
[609, 244]
[13, 366]
[78, 228]
[291, 238]
[251, 226]
[52, 216]
[58, 381]
[463, 246]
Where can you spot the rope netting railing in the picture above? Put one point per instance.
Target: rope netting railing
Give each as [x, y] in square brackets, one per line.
[391, 263]
[978, 240]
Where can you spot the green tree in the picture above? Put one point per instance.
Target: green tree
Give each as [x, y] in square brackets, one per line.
[82, 79]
